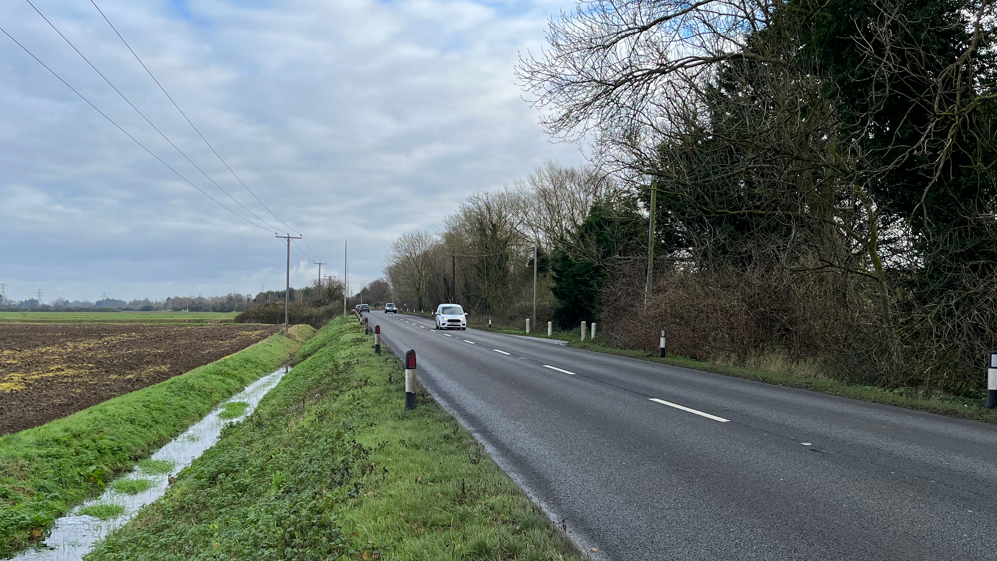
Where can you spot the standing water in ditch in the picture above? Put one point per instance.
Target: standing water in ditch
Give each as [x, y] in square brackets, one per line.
[75, 534]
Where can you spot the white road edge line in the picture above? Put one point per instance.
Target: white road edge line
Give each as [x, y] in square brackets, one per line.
[423, 326]
[466, 341]
[448, 335]
[503, 352]
[559, 369]
[688, 410]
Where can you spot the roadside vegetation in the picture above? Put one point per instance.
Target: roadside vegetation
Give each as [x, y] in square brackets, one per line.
[818, 178]
[330, 465]
[45, 471]
[314, 306]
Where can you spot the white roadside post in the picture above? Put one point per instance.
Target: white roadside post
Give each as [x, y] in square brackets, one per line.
[661, 344]
[992, 381]
[593, 331]
[527, 326]
[584, 329]
[550, 328]
[377, 339]
[410, 380]
[489, 322]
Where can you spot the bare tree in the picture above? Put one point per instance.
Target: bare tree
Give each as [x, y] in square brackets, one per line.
[552, 201]
[409, 265]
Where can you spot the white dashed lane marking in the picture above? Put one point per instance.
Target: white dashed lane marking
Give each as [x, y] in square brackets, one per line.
[559, 369]
[689, 410]
[503, 352]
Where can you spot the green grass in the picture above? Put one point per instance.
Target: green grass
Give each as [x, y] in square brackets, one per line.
[45, 471]
[117, 317]
[103, 511]
[155, 467]
[131, 486]
[330, 465]
[233, 409]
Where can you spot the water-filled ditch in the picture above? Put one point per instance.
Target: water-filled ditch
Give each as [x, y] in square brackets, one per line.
[75, 534]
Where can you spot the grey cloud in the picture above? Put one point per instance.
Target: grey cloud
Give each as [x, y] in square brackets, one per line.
[325, 109]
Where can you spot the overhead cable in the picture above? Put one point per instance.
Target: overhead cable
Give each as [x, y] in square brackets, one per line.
[310, 248]
[151, 153]
[168, 96]
[137, 110]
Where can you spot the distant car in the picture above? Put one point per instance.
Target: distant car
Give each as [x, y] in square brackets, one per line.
[451, 316]
[364, 307]
[389, 307]
[357, 308]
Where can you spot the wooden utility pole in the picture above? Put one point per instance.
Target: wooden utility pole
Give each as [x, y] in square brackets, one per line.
[287, 285]
[319, 263]
[453, 277]
[534, 283]
[650, 242]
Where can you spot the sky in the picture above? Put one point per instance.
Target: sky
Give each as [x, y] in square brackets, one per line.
[350, 120]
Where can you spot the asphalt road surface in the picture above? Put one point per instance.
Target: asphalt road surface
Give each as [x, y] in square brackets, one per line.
[647, 461]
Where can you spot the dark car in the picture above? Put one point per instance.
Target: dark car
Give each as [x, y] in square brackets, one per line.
[389, 307]
[364, 307]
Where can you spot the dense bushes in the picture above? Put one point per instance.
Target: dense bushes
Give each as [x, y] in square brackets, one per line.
[298, 313]
[757, 315]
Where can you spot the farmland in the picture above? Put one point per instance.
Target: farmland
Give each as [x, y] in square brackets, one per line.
[48, 371]
[117, 317]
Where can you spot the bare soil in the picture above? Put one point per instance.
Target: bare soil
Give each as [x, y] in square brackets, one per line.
[50, 371]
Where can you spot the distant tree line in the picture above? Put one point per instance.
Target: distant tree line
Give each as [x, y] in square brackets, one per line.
[824, 182]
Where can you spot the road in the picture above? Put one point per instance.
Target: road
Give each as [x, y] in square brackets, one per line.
[718, 467]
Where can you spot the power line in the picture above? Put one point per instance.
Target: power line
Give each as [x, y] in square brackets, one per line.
[302, 257]
[151, 153]
[309, 248]
[168, 96]
[137, 110]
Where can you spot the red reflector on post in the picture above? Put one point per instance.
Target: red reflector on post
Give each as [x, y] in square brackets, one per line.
[366, 320]
[410, 360]
[377, 329]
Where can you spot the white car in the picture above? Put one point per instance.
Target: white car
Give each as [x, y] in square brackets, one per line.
[450, 316]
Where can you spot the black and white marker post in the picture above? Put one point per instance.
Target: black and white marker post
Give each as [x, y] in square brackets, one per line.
[366, 325]
[377, 339]
[661, 345]
[410, 380]
[992, 381]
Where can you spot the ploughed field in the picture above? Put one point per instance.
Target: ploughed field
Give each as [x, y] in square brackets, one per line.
[50, 371]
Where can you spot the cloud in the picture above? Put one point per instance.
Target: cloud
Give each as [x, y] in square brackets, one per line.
[352, 119]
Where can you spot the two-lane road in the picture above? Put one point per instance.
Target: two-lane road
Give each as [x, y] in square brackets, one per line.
[647, 461]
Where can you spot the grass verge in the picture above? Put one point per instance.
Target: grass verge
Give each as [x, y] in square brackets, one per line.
[909, 398]
[330, 465]
[46, 470]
